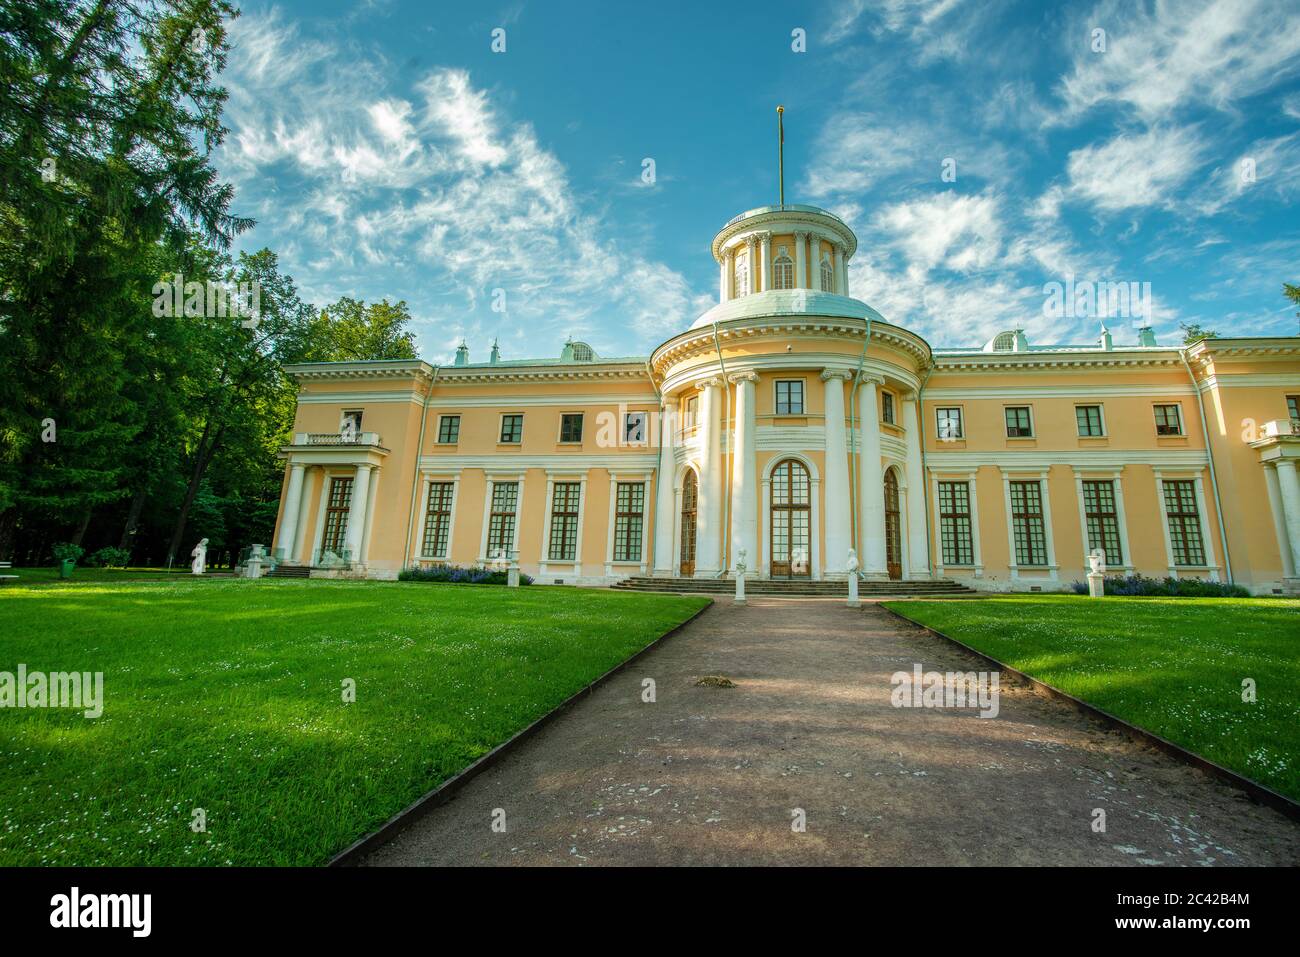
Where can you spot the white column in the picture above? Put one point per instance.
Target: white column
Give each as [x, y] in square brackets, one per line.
[722, 278]
[357, 512]
[1279, 519]
[1049, 540]
[765, 260]
[1012, 564]
[1164, 525]
[1289, 488]
[836, 534]
[918, 546]
[708, 516]
[871, 484]
[372, 497]
[837, 263]
[1122, 520]
[665, 496]
[289, 519]
[744, 472]
[300, 538]
[546, 526]
[800, 261]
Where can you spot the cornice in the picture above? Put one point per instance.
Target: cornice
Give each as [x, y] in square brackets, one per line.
[1056, 361]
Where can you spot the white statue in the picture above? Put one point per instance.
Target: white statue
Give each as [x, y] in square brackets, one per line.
[741, 567]
[200, 556]
[852, 564]
[1097, 562]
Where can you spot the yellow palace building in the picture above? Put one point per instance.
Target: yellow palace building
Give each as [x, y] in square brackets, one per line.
[791, 424]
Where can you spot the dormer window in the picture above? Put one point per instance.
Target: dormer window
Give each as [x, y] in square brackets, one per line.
[1005, 342]
[828, 275]
[582, 352]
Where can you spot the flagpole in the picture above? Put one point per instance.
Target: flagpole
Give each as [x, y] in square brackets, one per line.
[780, 152]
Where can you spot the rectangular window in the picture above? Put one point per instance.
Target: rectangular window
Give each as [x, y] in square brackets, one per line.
[437, 521]
[1088, 418]
[1293, 412]
[1103, 520]
[1184, 522]
[571, 427]
[1168, 420]
[1018, 423]
[449, 430]
[1027, 523]
[565, 499]
[789, 397]
[501, 522]
[512, 429]
[887, 407]
[949, 423]
[692, 413]
[635, 428]
[954, 524]
[350, 426]
[629, 520]
[336, 515]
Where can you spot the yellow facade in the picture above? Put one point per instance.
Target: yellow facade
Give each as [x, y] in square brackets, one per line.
[792, 424]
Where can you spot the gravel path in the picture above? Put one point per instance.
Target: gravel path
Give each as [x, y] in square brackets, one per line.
[708, 775]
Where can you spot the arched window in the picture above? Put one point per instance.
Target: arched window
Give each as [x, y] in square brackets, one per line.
[828, 276]
[582, 352]
[893, 527]
[791, 520]
[783, 273]
[742, 276]
[1005, 342]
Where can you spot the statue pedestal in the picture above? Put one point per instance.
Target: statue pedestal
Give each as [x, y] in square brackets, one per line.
[853, 591]
[512, 576]
[740, 589]
[1096, 585]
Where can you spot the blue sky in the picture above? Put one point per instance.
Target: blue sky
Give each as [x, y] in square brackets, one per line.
[386, 150]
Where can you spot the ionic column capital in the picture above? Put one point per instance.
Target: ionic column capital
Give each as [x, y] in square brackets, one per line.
[712, 383]
[828, 374]
[869, 379]
[738, 377]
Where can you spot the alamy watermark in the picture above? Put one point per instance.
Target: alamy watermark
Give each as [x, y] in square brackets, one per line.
[213, 300]
[80, 690]
[952, 689]
[1085, 299]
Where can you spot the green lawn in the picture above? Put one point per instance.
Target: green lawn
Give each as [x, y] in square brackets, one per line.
[1174, 666]
[227, 696]
[41, 576]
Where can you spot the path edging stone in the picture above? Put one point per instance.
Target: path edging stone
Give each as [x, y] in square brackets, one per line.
[1260, 793]
[444, 792]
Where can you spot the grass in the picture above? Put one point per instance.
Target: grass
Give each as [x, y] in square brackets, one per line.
[1173, 666]
[87, 573]
[227, 696]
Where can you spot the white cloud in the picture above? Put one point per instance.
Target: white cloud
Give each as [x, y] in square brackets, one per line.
[961, 233]
[1159, 58]
[1134, 170]
[432, 195]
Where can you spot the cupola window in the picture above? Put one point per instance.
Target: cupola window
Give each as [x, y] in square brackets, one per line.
[742, 277]
[828, 276]
[783, 273]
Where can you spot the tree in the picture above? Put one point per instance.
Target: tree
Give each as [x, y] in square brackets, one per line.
[1194, 332]
[1292, 293]
[351, 330]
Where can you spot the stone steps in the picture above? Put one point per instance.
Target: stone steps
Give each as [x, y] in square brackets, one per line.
[943, 587]
[289, 571]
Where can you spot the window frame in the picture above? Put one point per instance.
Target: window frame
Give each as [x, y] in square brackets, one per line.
[562, 545]
[1185, 533]
[645, 429]
[565, 418]
[1156, 408]
[1101, 420]
[961, 422]
[691, 411]
[501, 432]
[782, 266]
[888, 408]
[1293, 412]
[505, 529]
[442, 429]
[629, 523]
[803, 396]
[1028, 526]
[1028, 432]
[825, 269]
[1101, 515]
[442, 526]
[952, 550]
